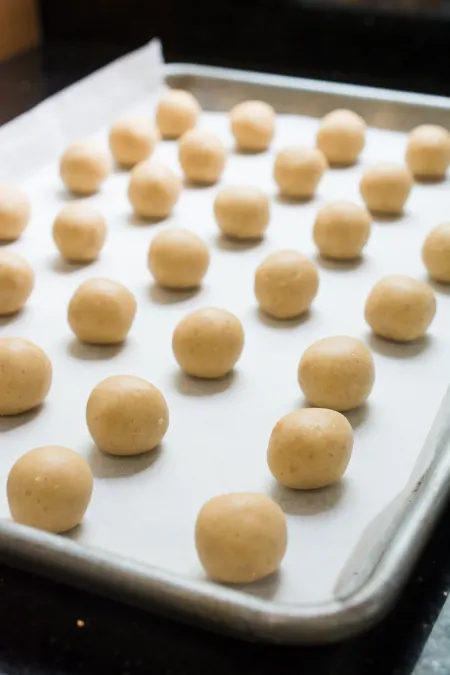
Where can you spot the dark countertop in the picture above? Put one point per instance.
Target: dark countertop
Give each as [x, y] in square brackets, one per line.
[47, 628]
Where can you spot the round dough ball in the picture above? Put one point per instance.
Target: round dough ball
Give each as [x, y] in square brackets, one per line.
[207, 343]
[177, 112]
[310, 448]
[286, 283]
[400, 308]
[153, 190]
[385, 188]
[79, 232]
[240, 537]
[436, 253]
[341, 137]
[16, 282]
[101, 312]
[26, 376]
[84, 167]
[428, 151]
[15, 212]
[177, 258]
[50, 488]
[298, 171]
[202, 156]
[132, 139]
[126, 415]
[253, 125]
[337, 373]
[242, 212]
[341, 230]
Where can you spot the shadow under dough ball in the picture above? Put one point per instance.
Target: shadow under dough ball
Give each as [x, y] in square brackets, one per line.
[286, 283]
[208, 342]
[341, 137]
[132, 140]
[101, 312]
[126, 415]
[428, 152]
[79, 232]
[385, 188]
[16, 282]
[50, 488]
[240, 537]
[337, 373]
[436, 253]
[310, 448]
[341, 230]
[177, 112]
[202, 156]
[298, 170]
[153, 189]
[84, 166]
[253, 125]
[242, 212]
[26, 376]
[178, 259]
[15, 212]
[400, 308]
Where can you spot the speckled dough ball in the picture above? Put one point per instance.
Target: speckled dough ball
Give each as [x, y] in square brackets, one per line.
[208, 342]
[202, 156]
[253, 125]
[286, 283]
[386, 187]
[50, 488]
[240, 537]
[14, 212]
[153, 189]
[341, 230]
[242, 212]
[341, 137]
[428, 151]
[177, 112]
[101, 312]
[400, 308]
[178, 258]
[16, 282]
[84, 167]
[298, 171]
[132, 140]
[126, 415]
[79, 232]
[337, 373]
[436, 253]
[310, 448]
[26, 376]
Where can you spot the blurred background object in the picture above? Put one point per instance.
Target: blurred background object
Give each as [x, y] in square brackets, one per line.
[19, 26]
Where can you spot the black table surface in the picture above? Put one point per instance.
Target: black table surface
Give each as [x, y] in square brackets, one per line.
[52, 629]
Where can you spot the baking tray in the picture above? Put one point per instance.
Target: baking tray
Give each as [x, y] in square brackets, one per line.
[136, 544]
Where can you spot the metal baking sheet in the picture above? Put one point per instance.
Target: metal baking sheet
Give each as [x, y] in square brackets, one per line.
[351, 546]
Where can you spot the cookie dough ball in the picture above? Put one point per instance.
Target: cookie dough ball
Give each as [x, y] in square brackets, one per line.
[341, 137]
[101, 312]
[240, 537]
[208, 342]
[84, 167]
[16, 282]
[253, 125]
[310, 448]
[177, 112]
[286, 283]
[337, 373]
[242, 212]
[50, 488]
[178, 259]
[15, 212]
[132, 139]
[79, 232]
[436, 253]
[153, 189]
[202, 156]
[400, 308]
[26, 376]
[428, 152]
[126, 415]
[298, 171]
[341, 230]
[385, 188]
